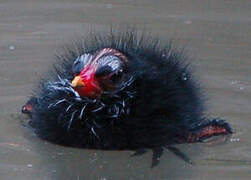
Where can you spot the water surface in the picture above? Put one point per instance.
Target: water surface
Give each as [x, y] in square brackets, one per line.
[218, 35]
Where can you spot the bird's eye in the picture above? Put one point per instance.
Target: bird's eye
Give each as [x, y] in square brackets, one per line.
[109, 71]
[103, 71]
[80, 63]
[117, 76]
[106, 73]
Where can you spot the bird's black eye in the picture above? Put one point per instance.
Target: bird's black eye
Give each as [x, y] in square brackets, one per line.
[110, 70]
[103, 71]
[80, 63]
[117, 76]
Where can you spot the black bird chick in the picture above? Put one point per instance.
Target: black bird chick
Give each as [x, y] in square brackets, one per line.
[121, 91]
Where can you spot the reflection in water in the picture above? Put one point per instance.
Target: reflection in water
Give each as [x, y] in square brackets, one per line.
[40, 159]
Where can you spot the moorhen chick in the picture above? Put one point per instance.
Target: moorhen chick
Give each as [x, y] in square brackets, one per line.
[122, 92]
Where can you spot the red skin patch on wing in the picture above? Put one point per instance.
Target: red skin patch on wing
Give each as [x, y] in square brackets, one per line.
[27, 109]
[205, 132]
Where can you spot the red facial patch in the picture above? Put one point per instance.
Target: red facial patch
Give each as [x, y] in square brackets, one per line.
[91, 87]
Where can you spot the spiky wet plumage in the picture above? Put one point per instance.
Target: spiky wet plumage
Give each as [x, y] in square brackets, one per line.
[158, 105]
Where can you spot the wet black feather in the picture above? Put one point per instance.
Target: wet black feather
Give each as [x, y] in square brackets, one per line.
[156, 106]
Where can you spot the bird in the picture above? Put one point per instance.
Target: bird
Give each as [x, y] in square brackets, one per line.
[122, 91]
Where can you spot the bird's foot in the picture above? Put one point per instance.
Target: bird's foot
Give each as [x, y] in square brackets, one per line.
[139, 152]
[180, 154]
[158, 152]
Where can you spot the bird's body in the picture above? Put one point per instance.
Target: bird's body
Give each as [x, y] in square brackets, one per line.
[121, 92]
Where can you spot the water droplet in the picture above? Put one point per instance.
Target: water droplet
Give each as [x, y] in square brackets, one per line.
[11, 47]
[29, 165]
[234, 139]
[234, 82]
[184, 76]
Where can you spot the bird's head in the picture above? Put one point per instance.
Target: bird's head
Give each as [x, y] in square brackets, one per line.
[102, 71]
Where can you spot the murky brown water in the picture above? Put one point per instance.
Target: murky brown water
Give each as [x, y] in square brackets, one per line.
[218, 34]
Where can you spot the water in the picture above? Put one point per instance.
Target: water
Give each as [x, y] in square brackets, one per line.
[217, 34]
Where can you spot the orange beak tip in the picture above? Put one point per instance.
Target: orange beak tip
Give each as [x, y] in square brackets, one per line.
[77, 82]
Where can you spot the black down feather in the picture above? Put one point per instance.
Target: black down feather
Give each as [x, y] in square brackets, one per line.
[159, 103]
